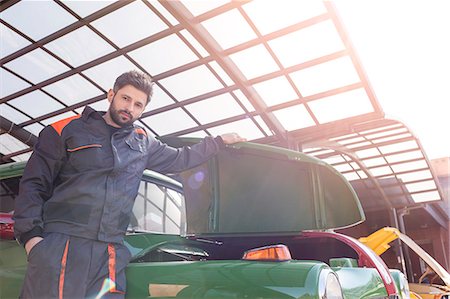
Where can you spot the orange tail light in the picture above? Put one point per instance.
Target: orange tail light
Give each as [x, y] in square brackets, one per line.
[278, 252]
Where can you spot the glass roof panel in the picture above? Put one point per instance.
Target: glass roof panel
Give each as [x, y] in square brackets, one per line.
[340, 106]
[396, 147]
[222, 74]
[263, 125]
[236, 32]
[31, 18]
[85, 8]
[172, 20]
[198, 134]
[194, 42]
[246, 128]
[36, 66]
[351, 176]
[58, 117]
[105, 74]
[9, 144]
[386, 133]
[307, 44]
[409, 166]
[22, 157]
[101, 105]
[80, 46]
[10, 83]
[325, 76]
[281, 16]
[36, 103]
[371, 152]
[381, 171]
[374, 162]
[414, 176]
[201, 6]
[295, 117]
[34, 128]
[72, 90]
[159, 99]
[163, 55]
[426, 196]
[164, 124]
[140, 23]
[11, 41]
[12, 114]
[191, 83]
[276, 91]
[426, 185]
[395, 137]
[254, 62]
[404, 156]
[215, 108]
[244, 100]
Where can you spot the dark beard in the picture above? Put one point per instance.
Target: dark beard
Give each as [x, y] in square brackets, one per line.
[117, 119]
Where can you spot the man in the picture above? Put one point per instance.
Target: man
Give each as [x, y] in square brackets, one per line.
[78, 189]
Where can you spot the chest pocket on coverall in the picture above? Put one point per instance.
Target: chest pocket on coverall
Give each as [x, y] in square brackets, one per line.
[85, 153]
[136, 157]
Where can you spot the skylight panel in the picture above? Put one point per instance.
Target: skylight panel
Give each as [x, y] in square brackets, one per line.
[245, 128]
[215, 108]
[306, 44]
[10, 84]
[11, 41]
[371, 152]
[163, 55]
[397, 147]
[36, 104]
[254, 62]
[269, 16]
[191, 83]
[37, 66]
[404, 156]
[381, 171]
[86, 8]
[295, 117]
[197, 134]
[222, 74]
[169, 122]
[101, 105]
[9, 144]
[159, 99]
[325, 76]
[72, 90]
[229, 29]
[244, 100]
[12, 114]
[140, 22]
[169, 17]
[426, 196]
[276, 91]
[420, 186]
[105, 74]
[194, 42]
[58, 117]
[415, 176]
[22, 157]
[341, 106]
[32, 18]
[80, 46]
[374, 162]
[34, 129]
[199, 7]
[263, 125]
[409, 166]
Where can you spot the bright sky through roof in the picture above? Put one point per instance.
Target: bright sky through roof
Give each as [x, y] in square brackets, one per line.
[404, 48]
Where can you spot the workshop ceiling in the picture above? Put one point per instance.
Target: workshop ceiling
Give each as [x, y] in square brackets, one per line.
[218, 66]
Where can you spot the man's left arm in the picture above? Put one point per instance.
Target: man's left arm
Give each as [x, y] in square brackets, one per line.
[166, 159]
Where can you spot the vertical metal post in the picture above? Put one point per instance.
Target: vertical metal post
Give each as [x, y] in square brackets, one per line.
[398, 248]
[409, 272]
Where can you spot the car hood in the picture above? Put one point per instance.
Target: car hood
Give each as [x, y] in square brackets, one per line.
[252, 188]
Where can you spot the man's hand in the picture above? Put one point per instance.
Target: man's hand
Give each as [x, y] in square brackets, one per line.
[231, 138]
[31, 243]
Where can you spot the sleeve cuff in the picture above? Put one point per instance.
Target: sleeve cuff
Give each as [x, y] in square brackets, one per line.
[220, 142]
[35, 232]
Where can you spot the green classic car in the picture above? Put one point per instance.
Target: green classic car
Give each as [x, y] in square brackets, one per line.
[253, 222]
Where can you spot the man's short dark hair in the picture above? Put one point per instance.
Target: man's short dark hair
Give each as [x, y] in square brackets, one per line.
[138, 80]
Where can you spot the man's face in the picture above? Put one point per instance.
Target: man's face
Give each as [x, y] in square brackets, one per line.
[127, 105]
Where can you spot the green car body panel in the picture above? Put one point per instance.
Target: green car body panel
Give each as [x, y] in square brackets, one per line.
[248, 196]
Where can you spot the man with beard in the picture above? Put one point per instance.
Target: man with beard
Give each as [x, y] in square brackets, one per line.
[78, 189]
